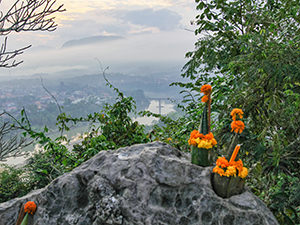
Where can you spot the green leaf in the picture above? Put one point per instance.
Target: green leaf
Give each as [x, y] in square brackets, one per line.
[25, 220]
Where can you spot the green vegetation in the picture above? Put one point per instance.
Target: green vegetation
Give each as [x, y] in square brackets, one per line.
[14, 183]
[249, 52]
[112, 128]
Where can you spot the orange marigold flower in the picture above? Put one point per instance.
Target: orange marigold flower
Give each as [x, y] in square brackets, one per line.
[219, 171]
[202, 141]
[244, 172]
[222, 162]
[199, 135]
[208, 136]
[30, 207]
[236, 112]
[237, 126]
[193, 137]
[237, 164]
[206, 89]
[192, 141]
[214, 141]
[194, 133]
[204, 98]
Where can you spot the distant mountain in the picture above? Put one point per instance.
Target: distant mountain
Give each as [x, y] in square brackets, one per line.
[90, 40]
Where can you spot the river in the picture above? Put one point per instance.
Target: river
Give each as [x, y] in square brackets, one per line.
[166, 108]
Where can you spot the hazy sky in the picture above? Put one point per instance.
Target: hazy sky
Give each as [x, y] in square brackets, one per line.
[150, 35]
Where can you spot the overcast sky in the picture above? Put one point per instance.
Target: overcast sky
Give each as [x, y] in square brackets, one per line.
[148, 35]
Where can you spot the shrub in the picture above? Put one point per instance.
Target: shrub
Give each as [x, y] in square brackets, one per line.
[14, 183]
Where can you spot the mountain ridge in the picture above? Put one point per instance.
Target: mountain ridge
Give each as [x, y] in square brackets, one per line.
[90, 40]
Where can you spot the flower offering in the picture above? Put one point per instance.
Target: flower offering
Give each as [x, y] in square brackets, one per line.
[231, 168]
[203, 140]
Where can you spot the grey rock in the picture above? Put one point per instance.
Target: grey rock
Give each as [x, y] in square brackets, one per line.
[147, 184]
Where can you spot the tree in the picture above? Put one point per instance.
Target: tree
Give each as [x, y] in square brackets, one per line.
[21, 16]
[29, 15]
[249, 51]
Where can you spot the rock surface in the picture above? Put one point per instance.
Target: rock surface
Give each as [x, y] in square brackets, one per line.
[148, 184]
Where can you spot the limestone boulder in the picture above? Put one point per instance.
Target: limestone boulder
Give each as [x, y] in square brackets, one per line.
[145, 184]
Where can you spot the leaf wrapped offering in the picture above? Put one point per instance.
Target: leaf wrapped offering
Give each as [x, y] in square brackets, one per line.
[202, 141]
[229, 176]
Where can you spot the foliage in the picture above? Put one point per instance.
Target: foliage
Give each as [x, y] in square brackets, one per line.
[14, 183]
[112, 128]
[174, 131]
[249, 52]
[114, 121]
[46, 165]
[279, 191]
[90, 146]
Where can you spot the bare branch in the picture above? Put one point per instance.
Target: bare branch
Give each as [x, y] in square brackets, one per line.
[10, 146]
[52, 96]
[56, 102]
[7, 56]
[29, 15]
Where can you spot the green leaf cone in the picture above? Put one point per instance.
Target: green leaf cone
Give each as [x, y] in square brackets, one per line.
[25, 220]
[203, 129]
[226, 187]
[200, 156]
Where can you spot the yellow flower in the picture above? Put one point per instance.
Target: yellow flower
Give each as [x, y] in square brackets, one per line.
[231, 171]
[202, 141]
[244, 172]
[214, 142]
[205, 144]
[197, 140]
